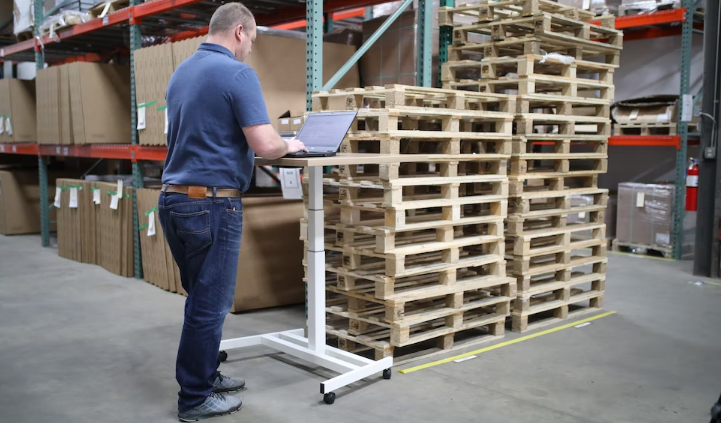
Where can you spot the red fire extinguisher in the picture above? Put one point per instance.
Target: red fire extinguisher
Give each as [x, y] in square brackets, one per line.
[692, 185]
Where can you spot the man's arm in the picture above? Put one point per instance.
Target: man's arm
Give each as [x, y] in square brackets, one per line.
[266, 143]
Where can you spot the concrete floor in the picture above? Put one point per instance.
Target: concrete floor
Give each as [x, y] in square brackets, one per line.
[78, 344]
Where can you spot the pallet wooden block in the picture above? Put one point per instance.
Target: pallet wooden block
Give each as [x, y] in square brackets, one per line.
[646, 128]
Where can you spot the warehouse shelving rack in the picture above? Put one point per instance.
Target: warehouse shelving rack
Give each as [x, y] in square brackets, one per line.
[684, 21]
[174, 20]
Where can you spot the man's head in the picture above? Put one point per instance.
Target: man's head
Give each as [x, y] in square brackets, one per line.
[233, 26]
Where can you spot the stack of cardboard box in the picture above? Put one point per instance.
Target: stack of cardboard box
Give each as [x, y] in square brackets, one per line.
[93, 226]
[83, 103]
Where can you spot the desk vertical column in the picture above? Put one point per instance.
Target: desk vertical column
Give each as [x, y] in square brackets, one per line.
[316, 261]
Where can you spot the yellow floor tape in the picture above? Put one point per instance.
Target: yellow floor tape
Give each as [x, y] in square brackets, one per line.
[503, 344]
[640, 256]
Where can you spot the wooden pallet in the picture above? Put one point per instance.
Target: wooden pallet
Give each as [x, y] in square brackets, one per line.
[526, 65]
[550, 241]
[562, 125]
[524, 146]
[409, 97]
[563, 304]
[537, 84]
[621, 246]
[557, 259]
[552, 28]
[497, 10]
[419, 276]
[548, 273]
[517, 224]
[645, 128]
[560, 164]
[534, 205]
[536, 45]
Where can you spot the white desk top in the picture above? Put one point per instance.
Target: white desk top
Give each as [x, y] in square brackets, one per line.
[342, 159]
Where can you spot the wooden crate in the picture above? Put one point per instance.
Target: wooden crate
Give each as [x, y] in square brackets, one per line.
[488, 11]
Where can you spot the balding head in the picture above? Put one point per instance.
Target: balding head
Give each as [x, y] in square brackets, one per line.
[233, 26]
[230, 15]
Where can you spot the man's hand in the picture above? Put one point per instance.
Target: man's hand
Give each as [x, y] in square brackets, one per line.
[266, 142]
[295, 145]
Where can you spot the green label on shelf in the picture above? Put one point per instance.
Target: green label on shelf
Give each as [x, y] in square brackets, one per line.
[148, 104]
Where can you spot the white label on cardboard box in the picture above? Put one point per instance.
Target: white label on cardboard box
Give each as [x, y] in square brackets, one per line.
[285, 121]
[639, 199]
[297, 121]
[119, 192]
[151, 223]
[141, 116]
[114, 202]
[73, 204]
[581, 215]
[96, 196]
[58, 196]
[663, 239]
[687, 111]
[8, 126]
[290, 179]
[165, 131]
[633, 115]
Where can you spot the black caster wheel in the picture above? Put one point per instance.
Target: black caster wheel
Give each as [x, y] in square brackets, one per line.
[387, 374]
[329, 398]
[222, 356]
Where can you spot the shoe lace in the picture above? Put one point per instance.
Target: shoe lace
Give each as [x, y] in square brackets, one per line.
[221, 378]
[217, 396]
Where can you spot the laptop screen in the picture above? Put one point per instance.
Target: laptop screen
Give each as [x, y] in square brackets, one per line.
[324, 131]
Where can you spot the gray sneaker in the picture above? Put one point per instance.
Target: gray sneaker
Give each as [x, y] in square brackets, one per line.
[214, 405]
[227, 384]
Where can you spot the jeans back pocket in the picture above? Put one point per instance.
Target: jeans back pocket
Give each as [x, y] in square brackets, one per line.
[193, 229]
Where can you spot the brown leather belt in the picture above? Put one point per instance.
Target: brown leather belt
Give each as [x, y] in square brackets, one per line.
[201, 192]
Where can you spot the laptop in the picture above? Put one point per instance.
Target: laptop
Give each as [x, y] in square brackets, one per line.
[323, 132]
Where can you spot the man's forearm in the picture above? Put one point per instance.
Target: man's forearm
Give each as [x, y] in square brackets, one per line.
[280, 150]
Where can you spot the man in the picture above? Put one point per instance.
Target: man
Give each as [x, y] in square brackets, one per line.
[217, 119]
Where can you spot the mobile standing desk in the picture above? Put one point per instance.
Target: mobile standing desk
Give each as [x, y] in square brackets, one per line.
[313, 349]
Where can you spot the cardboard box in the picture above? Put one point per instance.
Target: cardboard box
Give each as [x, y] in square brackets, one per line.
[270, 269]
[20, 202]
[76, 222]
[114, 230]
[290, 121]
[645, 217]
[656, 109]
[66, 120]
[17, 107]
[47, 89]
[153, 68]
[99, 102]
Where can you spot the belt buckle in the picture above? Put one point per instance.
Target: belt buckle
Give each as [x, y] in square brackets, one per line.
[197, 192]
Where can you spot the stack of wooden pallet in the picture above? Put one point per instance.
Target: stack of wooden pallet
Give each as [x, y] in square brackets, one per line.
[415, 251]
[558, 61]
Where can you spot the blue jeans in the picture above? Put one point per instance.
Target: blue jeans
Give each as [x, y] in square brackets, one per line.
[204, 237]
